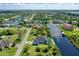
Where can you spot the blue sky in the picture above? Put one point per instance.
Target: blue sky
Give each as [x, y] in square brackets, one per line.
[39, 6]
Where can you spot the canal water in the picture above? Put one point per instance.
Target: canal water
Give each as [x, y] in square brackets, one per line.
[65, 47]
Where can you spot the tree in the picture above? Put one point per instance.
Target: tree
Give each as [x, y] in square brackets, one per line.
[0, 48]
[17, 40]
[1, 20]
[25, 50]
[78, 23]
[49, 54]
[49, 46]
[73, 36]
[54, 53]
[23, 23]
[4, 32]
[45, 50]
[77, 39]
[13, 44]
[38, 49]
[9, 32]
[0, 33]
[70, 22]
[54, 49]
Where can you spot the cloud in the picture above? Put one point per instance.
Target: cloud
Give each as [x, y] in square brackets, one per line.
[41, 6]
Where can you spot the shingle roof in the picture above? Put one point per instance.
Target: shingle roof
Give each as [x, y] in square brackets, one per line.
[4, 43]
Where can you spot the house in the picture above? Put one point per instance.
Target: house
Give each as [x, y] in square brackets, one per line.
[37, 26]
[68, 26]
[41, 40]
[10, 23]
[58, 21]
[4, 44]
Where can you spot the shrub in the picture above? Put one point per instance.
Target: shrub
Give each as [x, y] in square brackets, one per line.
[9, 32]
[74, 37]
[77, 39]
[17, 40]
[49, 54]
[49, 46]
[25, 50]
[54, 49]
[4, 33]
[54, 53]
[13, 44]
[0, 34]
[45, 50]
[40, 54]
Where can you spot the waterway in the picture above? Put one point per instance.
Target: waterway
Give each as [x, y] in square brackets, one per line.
[65, 46]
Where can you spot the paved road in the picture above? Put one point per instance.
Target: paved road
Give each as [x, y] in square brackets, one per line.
[64, 45]
[23, 42]
[32, 16]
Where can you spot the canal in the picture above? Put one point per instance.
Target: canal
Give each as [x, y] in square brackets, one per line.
[64, 45]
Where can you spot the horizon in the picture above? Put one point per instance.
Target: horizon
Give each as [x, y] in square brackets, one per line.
[39, 6]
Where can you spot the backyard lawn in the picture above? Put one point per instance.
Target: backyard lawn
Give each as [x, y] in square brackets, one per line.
[40, 50]
[8, 51]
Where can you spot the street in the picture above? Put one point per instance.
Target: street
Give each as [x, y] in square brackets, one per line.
[23, 42]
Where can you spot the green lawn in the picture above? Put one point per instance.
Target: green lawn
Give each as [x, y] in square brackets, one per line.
[37, 32]
[8, 51]
[13, 34]
[6, 31]
[45, 50]
[11, 38]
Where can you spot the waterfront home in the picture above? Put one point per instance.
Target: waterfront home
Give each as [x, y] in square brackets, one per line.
[68, 26]
[41, 40]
